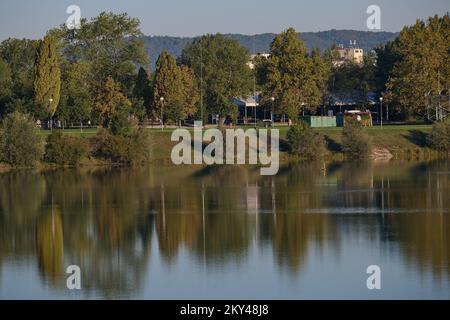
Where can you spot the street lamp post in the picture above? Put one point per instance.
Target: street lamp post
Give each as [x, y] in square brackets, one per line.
[162, 113]
[254, 110]
[272, 111]
[381, 112]
[50, 120]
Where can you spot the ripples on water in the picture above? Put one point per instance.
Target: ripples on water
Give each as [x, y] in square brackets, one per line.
[227, 232]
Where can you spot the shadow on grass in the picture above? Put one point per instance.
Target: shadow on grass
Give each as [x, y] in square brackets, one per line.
[284, 146]
[332, 145]
[419, 138]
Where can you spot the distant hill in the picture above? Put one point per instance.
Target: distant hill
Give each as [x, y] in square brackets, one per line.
[261, 42]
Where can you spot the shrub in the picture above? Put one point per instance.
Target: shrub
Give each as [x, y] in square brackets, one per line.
[439, 137]
[365, 119]
[20, 144]
[65, 150]
[305, 142]
[126, 149]
[122, 124]
[356, 143]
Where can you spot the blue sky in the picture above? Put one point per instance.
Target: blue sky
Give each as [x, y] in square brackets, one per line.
[31, 18]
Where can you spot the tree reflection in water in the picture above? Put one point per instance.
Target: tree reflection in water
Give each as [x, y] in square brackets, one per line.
[104, 219]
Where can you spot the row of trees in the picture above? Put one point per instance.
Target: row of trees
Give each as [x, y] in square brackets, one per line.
[98, 73]
[72, 75]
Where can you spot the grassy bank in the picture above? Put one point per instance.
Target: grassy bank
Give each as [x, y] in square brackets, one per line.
[403, 141]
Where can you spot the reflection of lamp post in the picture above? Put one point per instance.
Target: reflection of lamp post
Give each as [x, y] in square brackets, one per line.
[381, 112]
[271, 112]
[427, 98]
[162, 112]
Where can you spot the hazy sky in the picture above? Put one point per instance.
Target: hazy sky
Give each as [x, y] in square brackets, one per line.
[32, 18]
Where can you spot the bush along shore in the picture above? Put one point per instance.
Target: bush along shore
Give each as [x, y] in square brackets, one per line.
[126, 144]
[21, 146]
[356, 142]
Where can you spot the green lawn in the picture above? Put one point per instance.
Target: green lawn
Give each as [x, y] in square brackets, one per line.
[86, 132]
[399, 138]
[404, 141]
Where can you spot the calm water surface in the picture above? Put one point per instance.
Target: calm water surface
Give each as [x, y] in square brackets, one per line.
[227, 233]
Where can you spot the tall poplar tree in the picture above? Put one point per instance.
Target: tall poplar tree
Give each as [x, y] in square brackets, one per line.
[167, 84]
[143, 87]
[47, 82]
[177, 85]
[190, 93]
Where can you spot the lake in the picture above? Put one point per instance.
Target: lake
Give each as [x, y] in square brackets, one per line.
[227, 232]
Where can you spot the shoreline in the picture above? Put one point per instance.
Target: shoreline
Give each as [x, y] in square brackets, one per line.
[396, 143]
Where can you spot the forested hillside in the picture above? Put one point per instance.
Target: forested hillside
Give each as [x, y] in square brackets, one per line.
[261, 42]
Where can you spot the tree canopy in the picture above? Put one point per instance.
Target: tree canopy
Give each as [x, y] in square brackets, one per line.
[17, 75]
[176, 85]
[221, 65]
[292, 76]
[110, 43]
[423, 65]
[47, 81]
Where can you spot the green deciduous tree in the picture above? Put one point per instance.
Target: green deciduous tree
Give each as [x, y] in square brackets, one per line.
[109, 103]
[190, 92]
[293, 77]
[111, 43]
[424, 64]
[20, 144]
[19, 55]
[356, 143]
[65, 149]
[176, 84]
[439, 137]
[5, 85]
[47, 82]
[320, 73]
[305, 142]
[387, 57]
[221, 65]
[355, 80]
[76, 92]
[167, 84]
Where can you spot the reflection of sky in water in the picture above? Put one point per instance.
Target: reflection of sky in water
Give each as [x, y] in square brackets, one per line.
[161, 234]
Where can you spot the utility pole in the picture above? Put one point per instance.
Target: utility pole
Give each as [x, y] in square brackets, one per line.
[201, 80]
[254, 81]
[162, 113]
[272, 111]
